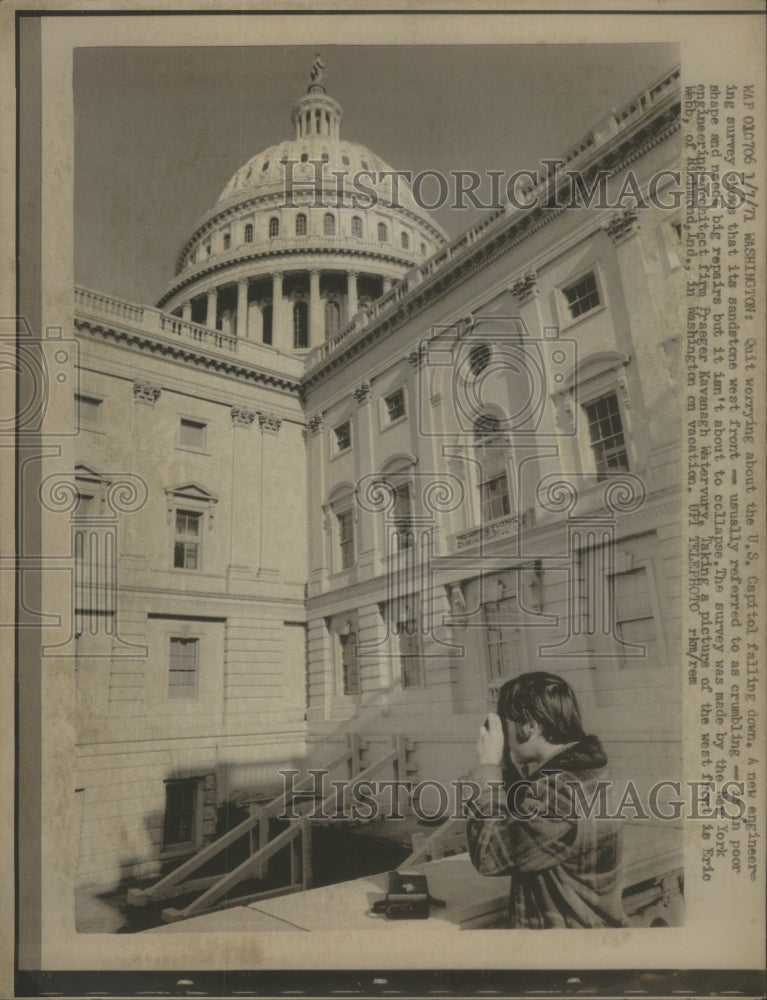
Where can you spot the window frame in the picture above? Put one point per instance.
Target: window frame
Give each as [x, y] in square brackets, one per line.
[176, 848]
[601, 469]
[248, 233]
[184, 692]
[190, 499]
[410, 648]
[200, 449]
[93, 426]
[346, 543]
[383, 232]
[567, 319]
[337, 449]
[180, 539]
[387, 419]
[302, 224]
[274, 227]
[492, 446]
[300, 317]
[348, 641]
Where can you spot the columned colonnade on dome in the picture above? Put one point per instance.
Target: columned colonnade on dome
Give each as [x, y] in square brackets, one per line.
[287, 309]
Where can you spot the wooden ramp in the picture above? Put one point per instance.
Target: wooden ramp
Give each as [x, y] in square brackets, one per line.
[216, 890]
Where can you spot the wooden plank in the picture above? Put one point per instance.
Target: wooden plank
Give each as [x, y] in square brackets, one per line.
[171, 915]
[157, 891]
[242, 870]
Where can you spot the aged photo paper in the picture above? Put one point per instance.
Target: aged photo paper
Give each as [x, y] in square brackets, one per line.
[383, 461]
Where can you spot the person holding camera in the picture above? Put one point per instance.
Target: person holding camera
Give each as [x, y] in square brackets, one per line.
[548, 828]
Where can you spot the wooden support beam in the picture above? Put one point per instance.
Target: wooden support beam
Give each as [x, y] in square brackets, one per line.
[243, 870]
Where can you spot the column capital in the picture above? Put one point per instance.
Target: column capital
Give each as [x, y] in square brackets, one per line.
[314, 272]
[526, 288]
[362, 392]
[146, 392]
[270, 422]
[243, 282]
[277, 274]
[620, 227]
[241, 417]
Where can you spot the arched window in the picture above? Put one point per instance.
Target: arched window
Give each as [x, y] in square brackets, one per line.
[249, 233]
[383, 233]
[227, 241]
[357, 226]
[274, 226]
[404, 241]
[266, 319]
[398, 478]
[300, 325]
[329, 224]
[491, 444]
[332, 318]
[300, 224]
[423, 249]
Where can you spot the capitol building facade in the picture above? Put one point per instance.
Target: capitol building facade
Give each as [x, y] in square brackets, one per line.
[379, 473]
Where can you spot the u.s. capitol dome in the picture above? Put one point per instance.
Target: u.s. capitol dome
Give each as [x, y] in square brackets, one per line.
[304, 235]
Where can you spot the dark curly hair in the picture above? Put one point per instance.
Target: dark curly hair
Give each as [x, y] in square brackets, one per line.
[546, 699]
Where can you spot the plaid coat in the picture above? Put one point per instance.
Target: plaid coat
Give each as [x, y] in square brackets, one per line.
[565, 866]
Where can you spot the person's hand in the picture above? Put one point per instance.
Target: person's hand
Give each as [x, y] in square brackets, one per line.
[491, 741]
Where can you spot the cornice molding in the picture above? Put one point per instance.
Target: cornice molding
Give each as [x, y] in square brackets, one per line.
[497, 241]
[185, 353]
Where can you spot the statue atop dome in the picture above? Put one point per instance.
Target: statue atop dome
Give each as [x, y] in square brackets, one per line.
[317, 74]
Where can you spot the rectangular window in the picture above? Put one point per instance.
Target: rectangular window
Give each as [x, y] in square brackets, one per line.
[180, 826]
[504, 642]
[410, 654]
[346, 537]
[350, 664]
[634, 615]
[191, 434]
[403, 516]
[183, 667]
[494, 498]
[395, 405]
[582, 296]
[606, 432]
[343, 434]
[88, 412]
[186, 548]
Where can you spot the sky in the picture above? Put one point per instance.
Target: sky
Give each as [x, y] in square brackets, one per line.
[159, 131]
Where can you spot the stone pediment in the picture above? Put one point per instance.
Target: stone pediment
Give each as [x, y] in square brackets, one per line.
[191, 491]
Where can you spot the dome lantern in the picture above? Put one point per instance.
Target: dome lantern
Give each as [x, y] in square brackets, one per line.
[316, 114]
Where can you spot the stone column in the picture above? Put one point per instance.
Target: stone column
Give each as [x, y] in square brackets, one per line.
[386, 285]
[242, 308]
[186, 312]
[316, 318]
[278, 325]
[351, 295]
[210, 318]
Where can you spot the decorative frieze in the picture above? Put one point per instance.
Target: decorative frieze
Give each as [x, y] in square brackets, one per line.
[146, 392]
[314, 423]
